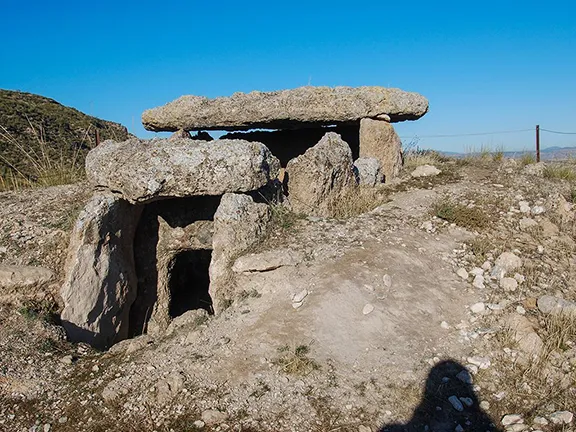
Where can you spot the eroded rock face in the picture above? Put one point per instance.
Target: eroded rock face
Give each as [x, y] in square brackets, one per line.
[100, 283]
[379, 140]
[286, 109]
[239, 223]
[145, 170]
[319, 175]
[168, 230]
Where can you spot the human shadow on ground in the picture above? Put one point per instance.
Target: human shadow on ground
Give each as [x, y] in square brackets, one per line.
[447, 381]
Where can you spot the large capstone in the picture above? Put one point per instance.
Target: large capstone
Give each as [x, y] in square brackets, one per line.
[286, 109]
[140, 171]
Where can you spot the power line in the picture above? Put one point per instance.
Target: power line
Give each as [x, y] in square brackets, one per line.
[556, 132]
[470, 134]
[486, 133]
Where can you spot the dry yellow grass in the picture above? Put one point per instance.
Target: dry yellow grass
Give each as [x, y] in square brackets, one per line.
[47, 169]
[356, 200]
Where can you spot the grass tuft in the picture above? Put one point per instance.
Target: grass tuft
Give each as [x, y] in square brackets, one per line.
[558, 172]
[527, 159]
[461, 215]
[355, 201]
[415, 157]
[560, 329]
[295, 360]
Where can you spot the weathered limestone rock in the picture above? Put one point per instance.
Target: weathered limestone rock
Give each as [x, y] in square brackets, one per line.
[22, 282]
[425, 171]
[379, 140]
[368, 171]
[23, 276]
[168, 231]
[550, 304]
[100, 283]
[239, 223]
[171, 241]
[506, 263]
[266, 261]
[319, 175]
[529, 343]
[145, 170]
[286, 109]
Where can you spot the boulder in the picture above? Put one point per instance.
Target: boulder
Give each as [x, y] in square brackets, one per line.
[368, 171]
[379, 140]
[100, 283]
[319, 176]
[13, 276]
[145, 170]
[239, 223]
[22, 282]
[286, 109]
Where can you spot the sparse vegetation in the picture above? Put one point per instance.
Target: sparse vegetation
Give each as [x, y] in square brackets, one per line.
[43, 166]
[283, 217]
[527, 159]
[39, 310]
[560, 332]
[461, 215]
[295, 361]
[559, 172]
[414, 157]
[356, 200]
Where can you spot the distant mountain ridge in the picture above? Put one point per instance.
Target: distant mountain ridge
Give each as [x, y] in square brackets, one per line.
[26, 119]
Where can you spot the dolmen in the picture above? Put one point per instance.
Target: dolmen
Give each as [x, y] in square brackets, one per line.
[301, 116]
[168, 217]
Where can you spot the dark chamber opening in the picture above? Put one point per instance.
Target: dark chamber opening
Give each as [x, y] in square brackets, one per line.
[189, 282]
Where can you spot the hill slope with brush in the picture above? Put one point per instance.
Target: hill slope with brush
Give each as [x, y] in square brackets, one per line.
[38, 130]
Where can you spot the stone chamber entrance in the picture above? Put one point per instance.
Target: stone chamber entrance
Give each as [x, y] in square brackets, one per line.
[172, 253]
[189, 282]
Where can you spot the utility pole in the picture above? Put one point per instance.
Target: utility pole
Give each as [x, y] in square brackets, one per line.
[537, 143]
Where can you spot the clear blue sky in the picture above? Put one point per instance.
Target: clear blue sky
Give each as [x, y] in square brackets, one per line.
[484, 66]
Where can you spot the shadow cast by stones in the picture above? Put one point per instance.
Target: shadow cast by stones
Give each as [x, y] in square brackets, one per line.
[448, 401]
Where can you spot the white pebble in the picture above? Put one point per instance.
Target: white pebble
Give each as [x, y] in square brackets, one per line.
[477, 307]
[510, 419]
[462, 273]
[367, 309]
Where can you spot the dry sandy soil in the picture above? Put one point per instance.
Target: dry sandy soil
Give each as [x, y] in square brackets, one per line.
[403, 322]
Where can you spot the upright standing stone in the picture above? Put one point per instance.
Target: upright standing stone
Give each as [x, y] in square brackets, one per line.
[320, 175]
[379, 140]
[100, 284]
[239, 223]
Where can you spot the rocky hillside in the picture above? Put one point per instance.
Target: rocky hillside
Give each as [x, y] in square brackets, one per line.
[36, 125]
